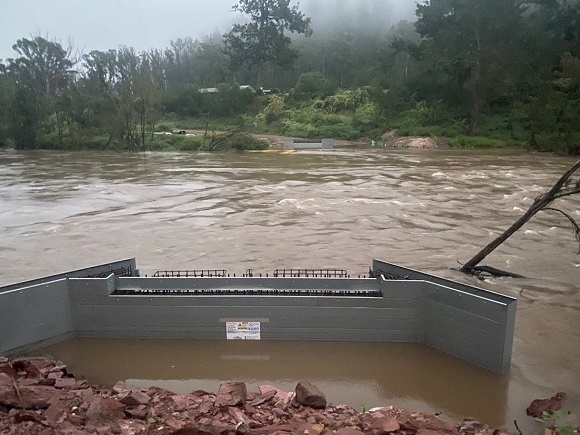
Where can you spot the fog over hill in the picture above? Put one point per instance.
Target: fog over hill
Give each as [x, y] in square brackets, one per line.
[144, 24]
[357, 14]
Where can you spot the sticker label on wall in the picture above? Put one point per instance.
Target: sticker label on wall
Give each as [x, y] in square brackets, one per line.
[243, 330]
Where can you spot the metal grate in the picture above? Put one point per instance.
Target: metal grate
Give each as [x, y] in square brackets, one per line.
[202, 273]
[310, 273]
[250, 292]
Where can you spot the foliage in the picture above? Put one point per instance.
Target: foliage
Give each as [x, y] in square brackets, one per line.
[463, 141]
[263, 38]
[556, 423]
[187, 100]
[272, 111]
[313, 85]
[343, 101]
[236, 140]
[176, 142]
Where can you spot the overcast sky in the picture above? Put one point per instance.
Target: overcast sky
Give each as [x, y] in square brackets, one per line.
[142, 24]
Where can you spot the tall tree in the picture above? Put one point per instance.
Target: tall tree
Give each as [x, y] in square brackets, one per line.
[264, 39]
[42, 72]
[473, 42]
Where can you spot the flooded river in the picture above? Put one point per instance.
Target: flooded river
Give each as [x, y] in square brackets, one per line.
[426, 210]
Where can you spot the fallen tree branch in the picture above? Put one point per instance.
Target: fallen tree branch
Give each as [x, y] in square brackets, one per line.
[565, 186]
[575, 225]
[493, 271]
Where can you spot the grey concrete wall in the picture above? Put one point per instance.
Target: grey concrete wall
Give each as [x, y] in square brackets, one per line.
[471, 323]
[34, 316]
[79, 273]
[465, 321]
[283, 317]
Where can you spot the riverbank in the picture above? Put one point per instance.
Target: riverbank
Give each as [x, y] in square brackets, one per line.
[39, 396]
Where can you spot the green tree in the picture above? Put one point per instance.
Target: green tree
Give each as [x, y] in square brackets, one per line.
[42, 72]
[472, 41]
[6, 98]
[263, 39]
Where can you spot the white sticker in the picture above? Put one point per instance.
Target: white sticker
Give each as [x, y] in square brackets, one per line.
[243, 330]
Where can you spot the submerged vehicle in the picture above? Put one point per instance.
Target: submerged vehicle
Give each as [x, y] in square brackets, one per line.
[392, 304]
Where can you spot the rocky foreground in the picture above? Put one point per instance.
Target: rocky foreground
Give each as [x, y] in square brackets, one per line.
[40, 397]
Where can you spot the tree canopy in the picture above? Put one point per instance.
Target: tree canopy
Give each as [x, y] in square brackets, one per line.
[264, 39]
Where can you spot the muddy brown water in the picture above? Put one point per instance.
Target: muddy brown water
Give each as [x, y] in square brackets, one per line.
[427, 210]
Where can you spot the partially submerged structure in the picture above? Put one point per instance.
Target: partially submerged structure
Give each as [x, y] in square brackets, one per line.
[394, 304]
[308, 144]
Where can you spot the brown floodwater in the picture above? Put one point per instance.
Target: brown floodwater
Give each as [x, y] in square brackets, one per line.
[426, 210]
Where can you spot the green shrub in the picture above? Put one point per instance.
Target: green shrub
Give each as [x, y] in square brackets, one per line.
[313, 85]
[175, 142]
[484, 142]
[239, 142]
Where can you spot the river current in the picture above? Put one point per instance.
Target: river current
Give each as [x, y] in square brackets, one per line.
[428, 210]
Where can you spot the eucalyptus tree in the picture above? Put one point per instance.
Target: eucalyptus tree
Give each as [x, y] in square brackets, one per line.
[41, 72]
[122, 92]
[263, 39]
[6, 98]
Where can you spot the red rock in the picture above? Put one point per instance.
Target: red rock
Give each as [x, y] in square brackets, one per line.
[206, 404]
[7, 369]
[280, 395]
[387, 425]
[196, 429]
[428, 432]
[470, 426]
[272, 429]
[122, 387]
[105, 409]
[249, 410]
[231, 394]
[5, 380]
[264, 397]
[25, 368]
[539, 406]
[43, 365]
[140, 414]
[174, 424]
[76, 420]
[238, 415]
[415, 422]
[348, 431]
[3, 359]
[309, 395]
[243, 429]
[70, 383]
[28, 397]
[135, 398]
[56, 409]
[54, 375]
[183, 401]
[59, 368]
[380, 421]
[280, 413]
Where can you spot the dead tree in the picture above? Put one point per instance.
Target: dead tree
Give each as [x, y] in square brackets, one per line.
[565, 186]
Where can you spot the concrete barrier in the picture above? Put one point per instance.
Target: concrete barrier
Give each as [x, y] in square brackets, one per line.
[468, 322]
[308, 144]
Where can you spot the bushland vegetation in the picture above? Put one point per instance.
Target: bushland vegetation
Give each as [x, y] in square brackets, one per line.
[484, 73]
